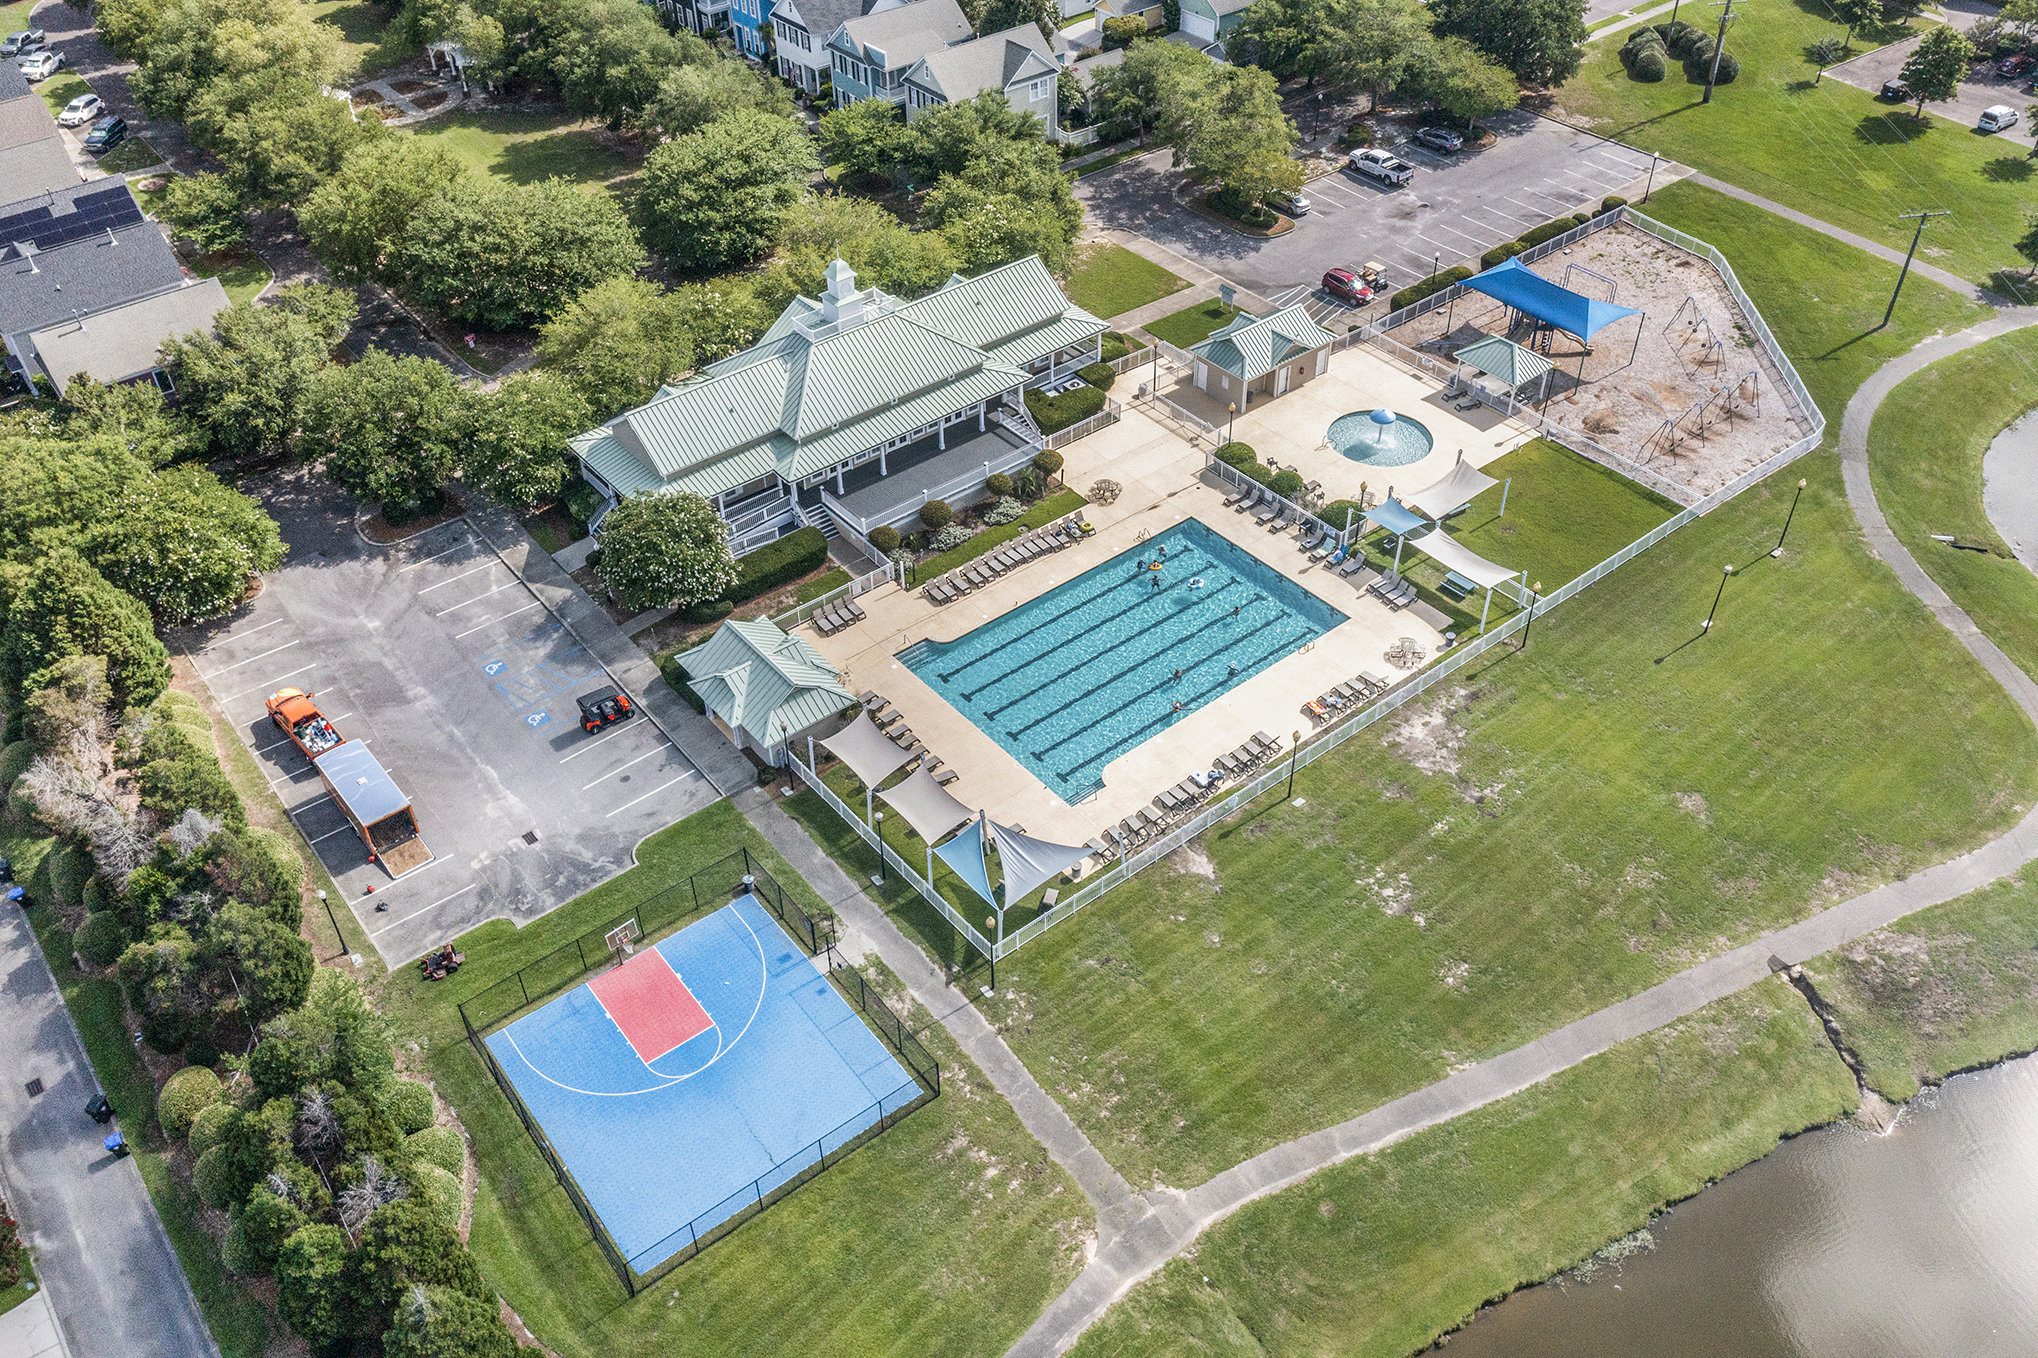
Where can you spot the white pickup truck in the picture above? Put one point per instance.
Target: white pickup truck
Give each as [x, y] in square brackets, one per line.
[1380, 165]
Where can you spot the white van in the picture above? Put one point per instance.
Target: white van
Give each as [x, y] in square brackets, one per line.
[1997, 118]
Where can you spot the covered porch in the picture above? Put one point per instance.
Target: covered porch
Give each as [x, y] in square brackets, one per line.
[952, 465]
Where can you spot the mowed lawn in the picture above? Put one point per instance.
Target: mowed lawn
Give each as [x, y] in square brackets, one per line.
[1110, 280]
[1924, 459]
[948, 1234]
[1192, 323]
[526, 147]
[1375, 1257]
[1828, 149]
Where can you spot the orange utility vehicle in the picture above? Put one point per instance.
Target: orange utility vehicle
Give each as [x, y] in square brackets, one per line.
[294, 711]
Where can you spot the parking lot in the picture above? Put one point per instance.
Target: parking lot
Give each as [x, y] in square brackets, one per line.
[1983, 87]
[442, 662]
[1455, 209]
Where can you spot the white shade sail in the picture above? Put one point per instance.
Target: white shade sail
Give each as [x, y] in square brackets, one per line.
[926, 805]
[1447, 552]
[1030, 862]
[864, 748]
[1459, 486]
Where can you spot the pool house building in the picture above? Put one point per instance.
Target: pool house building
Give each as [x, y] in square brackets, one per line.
[1261, 356]
[854, 409]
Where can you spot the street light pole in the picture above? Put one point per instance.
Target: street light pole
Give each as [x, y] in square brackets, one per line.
[332, 921]
[1725, 575]
[1788, 517]
[1231, 423]
[1294, 751]
[1436, 262]
[1535, 597]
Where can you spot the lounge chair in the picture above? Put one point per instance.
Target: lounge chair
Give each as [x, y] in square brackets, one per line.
[1373, 681]
[946, 776]
[955, 582]
[1252, 499]
[869, 697]
[1268, 746]
[1269, 511]
[1355, 562]
[1315, 536]
[1316, 711]
[854, 611]
[1168, 804]
[1188, 791]
[940, 592]
[1236, 496]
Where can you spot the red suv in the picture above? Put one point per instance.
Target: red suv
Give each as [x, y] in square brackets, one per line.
[1347, 287]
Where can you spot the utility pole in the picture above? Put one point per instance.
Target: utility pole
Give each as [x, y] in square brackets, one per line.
[1922, 218]
[1719, 48]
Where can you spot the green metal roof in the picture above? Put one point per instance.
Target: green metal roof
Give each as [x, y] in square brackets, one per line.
[1253, 346]
[815, 391]
[1499, 356]
[772, 685]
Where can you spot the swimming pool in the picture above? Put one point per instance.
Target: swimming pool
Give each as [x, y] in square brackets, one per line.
[1075, 678]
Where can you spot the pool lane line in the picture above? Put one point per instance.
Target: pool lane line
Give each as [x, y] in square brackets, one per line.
[1095, 656]
[1057, 648]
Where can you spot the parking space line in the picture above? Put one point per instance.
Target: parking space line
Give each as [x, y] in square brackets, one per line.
[538, 603]
[619, 731]
[464, 542]
[264, 749]
[250, 660]
[451, 578]
[302, 669]
[620, 767]
[294, 811]
[422, 909]
[252, 630]
[652, 793]
[330, 833]
[1476, 240]
[476, 599]
[292, 777]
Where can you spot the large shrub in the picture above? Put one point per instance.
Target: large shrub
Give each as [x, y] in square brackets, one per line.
[69, 871]
[1004, 511]
[1730, 66]
[1549, 230]
[1648, 66]
[936, 514]
[13, 761]
[796, 554]
[1500, 254]
[1415, 292]
[439, 1146]
[885, 538]
[949, 537]
[1099, 375]
[997, 483]
[239, 1254]
[1047, 461]
[1236, 454]
[211, 1125]
[409, 1105]
[100, 940]
[1287, 484]
[1053, 413]
[214, 1178]
[438, 1190]
[187, 1094]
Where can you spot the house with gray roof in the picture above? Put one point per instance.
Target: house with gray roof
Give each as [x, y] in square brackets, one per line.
[763, 688]
[869, 55]
[1018, 63]
[33, 156]
[1211, 21]
[1262, 356]
[800, 30]
[856, 407]
[119, 344]
[41, 289]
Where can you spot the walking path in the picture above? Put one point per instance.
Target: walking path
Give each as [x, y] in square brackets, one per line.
[1175, 1218]
[30, 1329]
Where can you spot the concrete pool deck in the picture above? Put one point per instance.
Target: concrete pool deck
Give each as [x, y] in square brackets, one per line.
[1163, 483]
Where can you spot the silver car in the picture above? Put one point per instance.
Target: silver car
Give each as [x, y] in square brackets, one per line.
[81, 110]
[22, 43]
[1290, 204]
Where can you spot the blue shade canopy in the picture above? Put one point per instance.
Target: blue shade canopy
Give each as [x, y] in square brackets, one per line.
[1514, 284]
[1395, 517]
[965, 858]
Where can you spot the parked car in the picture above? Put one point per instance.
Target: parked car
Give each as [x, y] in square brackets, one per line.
[1997, 118]
[1347, 287]
[2011, 67]
[22, 43]
[106, 134]
[1440, 139]
[1375, 164]
[84, 109]
[1293, 204]
[1896, 91]
[42, 65]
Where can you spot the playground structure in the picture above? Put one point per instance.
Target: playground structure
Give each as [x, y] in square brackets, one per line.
[1743, 397]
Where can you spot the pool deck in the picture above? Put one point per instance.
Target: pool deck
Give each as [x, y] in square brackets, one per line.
[1164, 482]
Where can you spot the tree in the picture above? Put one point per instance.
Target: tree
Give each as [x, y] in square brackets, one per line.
[1373, 44]
[255, 867]
[1856, 14]
[352, 220]
[867, 138]
[691, 97]
[183, 542]
[1463, 82]
[720, 196]
[1131, 93]
[882, 250]
[1287, 37]
[1539, 40]
[1000, 15]
[1229, 126]
[385, 427]
[659, 550]
[1000, 228]
[64, 608]
[246, 383]
[438, 1322]
[1016, 193]
[206, 210]
[2027, 246]
[950, 138]
[504, 256]
[610, 57]
[405, 1245]
[161, 979]
[617, 342]
[132, 414]
[192, 46]
[313, 1286]
[1937, 65]
[275, 964]
[515, 438]
[283, 146]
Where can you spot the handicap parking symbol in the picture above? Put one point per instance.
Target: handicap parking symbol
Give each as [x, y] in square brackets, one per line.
[494, 667]
[537, 719]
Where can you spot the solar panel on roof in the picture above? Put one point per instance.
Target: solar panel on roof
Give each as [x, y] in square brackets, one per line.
[92, 214]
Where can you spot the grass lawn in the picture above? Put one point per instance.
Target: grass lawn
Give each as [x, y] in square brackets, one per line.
[1111, 280]
[946, 1235]
[1831, 150]
[1565, 514]
[14, 15]
[131, 155]
[1106, 162]
[60, 90]
[1191, 323]
[525, 148]
[1924, 457]
[1375, 1257]
[241, 272]
[371, 36]
[1945, 990]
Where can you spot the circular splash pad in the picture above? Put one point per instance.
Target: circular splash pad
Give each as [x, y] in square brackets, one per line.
[1392, 441]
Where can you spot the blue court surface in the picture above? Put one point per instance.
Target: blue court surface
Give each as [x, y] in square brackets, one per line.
[664, 1149]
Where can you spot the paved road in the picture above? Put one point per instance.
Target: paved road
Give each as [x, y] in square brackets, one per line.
[461, 681]
[1456, 208]
[71, 33]
[106, 1266]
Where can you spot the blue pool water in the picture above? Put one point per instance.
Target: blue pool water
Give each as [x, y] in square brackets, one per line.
[1085, 672]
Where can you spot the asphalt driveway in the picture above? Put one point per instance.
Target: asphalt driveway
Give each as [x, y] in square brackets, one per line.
[462, 684]
[1455, 209]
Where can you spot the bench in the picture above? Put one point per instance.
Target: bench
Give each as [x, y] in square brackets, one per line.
[1457, 586]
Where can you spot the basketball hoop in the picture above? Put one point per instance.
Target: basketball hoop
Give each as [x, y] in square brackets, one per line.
[622, 940]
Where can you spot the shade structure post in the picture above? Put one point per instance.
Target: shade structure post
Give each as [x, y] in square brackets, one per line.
[1347, 538]
[866, 805]
[1488, 608]
[1449, 307]
[1640, 323]
[1508, 484]
[1397, 552]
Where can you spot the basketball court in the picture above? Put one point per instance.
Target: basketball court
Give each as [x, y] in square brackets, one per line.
[684, 1085]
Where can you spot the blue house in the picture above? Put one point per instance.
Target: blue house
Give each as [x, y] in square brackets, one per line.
[749, 20]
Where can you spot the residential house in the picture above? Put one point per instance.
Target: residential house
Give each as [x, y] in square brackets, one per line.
[749, 24]
[855, 408]
[1262, 356]
[119, 344]
[762, 688]
[702, 16]
[800, 32]
[1019, 63]
[1211, 21]
[33, 157]
[869, 55]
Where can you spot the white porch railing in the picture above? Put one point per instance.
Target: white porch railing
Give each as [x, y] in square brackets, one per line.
[955, 487]
[1077, 136]
[1062, 438]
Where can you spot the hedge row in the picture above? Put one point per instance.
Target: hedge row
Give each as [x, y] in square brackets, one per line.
[1053, 413]
[1415, 292]
[1241, 458]
[792, 556]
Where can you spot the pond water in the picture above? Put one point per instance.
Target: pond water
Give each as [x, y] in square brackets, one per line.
[1840, 1244]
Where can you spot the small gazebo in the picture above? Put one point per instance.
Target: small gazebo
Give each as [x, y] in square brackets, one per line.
[1509, 364]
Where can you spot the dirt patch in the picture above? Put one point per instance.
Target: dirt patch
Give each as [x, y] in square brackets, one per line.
[428, 101]
[1693, 804]
[364, 97]
[1194, 859]
[1426, 736]
[408, 86]
[379, 530]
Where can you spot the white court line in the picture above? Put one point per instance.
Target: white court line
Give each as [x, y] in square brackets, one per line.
[464, 542]
[536, 603]
[302, 669]
[620, 767]
[415, 913]
[476, 599]
[451, 578]
[619, 731]
[652, 793]
[251, 659]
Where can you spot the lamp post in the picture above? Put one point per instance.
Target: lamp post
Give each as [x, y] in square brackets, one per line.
[879, 821]
[1724, 576]
[332, 921]
[1788, 517]
[1231, 423]
[1294, 750]
[1436, 262]
[1649, 187]
[1535, 597]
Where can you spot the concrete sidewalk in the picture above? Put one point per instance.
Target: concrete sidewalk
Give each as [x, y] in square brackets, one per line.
[30, 1329]
[109, 1275]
